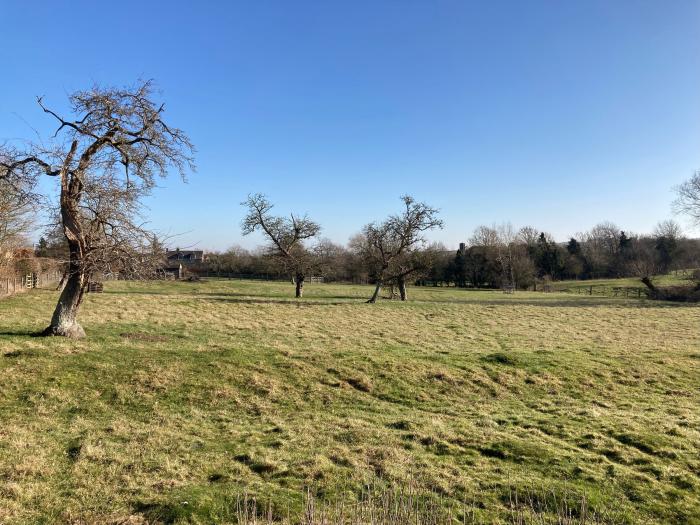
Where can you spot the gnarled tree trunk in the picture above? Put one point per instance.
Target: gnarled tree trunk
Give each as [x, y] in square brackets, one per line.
[375, 295]
[654, 292]
[299, 279]
[64, 320]
[402, 288]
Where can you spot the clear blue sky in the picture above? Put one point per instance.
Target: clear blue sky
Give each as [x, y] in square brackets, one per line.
[556, 114]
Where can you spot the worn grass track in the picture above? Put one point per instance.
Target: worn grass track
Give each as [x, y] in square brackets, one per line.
[186, 394]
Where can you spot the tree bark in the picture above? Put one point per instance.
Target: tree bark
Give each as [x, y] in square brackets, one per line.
[653, 290]
[64, 320]
[377, 290]
[300, 285]
[403, 294]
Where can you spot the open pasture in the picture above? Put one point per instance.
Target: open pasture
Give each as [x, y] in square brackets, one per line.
[186, 395]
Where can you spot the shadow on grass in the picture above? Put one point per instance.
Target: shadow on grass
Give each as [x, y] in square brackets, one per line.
[289, 295]
[563, 303]
[22, 333]
[160, 512]
[556, 303]
[290, 302]
[140, 292]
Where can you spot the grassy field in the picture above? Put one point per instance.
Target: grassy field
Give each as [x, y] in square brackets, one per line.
[617, 287]
[187, 395]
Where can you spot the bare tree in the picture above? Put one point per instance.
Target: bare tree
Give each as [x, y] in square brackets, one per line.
[286, 236]
[15, 221]
[507, 251]
[15, 224]
[600, 246]
[411, 265]
[486, 236]
[528, 235]
[668, 228]
[108, 159]
[331, 259]
[645, 263]
[688, 198]
[388, 247]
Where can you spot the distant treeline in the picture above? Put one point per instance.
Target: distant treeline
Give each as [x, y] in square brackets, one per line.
[495, 256]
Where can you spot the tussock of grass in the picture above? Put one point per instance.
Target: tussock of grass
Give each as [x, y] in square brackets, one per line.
[400, 506]
[187, 395]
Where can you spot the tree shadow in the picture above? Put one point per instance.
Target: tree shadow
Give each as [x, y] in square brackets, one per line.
[289, 297]
[291, 302]
[21, 333]
[139, 292]
[545, 302]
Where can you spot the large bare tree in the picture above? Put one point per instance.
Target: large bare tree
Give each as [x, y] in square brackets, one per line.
[390, 248]
[107, 157]
[286, 236]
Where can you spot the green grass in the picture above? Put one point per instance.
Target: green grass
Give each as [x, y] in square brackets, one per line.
[618, 287]
[186, 395]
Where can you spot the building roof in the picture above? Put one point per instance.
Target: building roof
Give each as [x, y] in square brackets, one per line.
[184, 254]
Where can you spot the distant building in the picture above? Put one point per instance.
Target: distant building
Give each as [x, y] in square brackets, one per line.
[184, 257]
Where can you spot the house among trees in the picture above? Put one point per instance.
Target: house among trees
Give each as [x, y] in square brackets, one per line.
[180, 263]
[184, 257]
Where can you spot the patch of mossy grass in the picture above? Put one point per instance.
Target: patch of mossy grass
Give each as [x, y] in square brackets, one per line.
[186, 397]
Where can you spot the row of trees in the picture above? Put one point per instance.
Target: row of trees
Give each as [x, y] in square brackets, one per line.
[501, 256]
[493, 257]
[388, 252]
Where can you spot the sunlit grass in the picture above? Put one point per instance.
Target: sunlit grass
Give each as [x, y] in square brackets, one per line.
[186, 395]
[608, 286]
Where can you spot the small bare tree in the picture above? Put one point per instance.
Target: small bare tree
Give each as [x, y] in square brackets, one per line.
[507, 253]
[286, 236]
[688, 198]
[107, 161]
[389, 248]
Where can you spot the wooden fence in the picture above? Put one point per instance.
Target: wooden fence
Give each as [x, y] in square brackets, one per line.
[251, 276]
[603, 290]
[22, 283]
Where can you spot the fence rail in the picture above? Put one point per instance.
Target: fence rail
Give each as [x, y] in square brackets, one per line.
[253, 276]
[22, 283]
[604, 290]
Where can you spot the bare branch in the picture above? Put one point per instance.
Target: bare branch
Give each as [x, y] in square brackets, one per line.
[688, 198]
[286, 235]
[119, 145]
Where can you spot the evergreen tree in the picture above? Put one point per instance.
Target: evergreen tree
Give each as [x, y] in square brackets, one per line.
[573, 247]
[459, 267]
